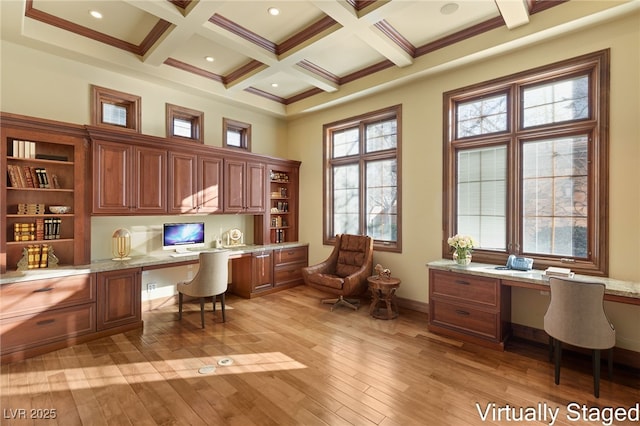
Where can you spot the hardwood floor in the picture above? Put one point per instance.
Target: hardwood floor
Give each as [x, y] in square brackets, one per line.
[294, 362]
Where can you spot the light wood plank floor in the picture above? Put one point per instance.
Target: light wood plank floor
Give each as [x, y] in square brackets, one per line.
[296, 363]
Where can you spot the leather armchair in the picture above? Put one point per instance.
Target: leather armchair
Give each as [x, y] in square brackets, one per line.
[344, 273]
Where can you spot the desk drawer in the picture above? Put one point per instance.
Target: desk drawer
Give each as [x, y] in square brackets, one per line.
[35, 296]
[287, 255]
[26, 331]
[289, 273]
[465, 319]
[480, 290]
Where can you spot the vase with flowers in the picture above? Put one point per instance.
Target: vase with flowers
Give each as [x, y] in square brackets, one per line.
[462, 246]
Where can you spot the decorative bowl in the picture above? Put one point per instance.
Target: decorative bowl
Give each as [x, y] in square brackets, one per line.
[59, 209]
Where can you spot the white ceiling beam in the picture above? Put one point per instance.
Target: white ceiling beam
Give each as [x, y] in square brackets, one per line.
[273, 62]
[363, 28]
[184, 27]
[514, 12]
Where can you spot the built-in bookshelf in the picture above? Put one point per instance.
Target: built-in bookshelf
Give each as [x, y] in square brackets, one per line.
[279, 213]
[43, 162]
[279, 224]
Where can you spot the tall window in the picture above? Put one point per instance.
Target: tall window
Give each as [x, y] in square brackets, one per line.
[361, 174]
[525, 165]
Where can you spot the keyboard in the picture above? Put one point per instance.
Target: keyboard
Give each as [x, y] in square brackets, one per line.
[189, 253]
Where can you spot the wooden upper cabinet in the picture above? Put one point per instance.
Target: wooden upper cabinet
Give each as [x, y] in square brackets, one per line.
[195, 183]
[244, 186]
[128, 179]
[210, 184]
[182, 183]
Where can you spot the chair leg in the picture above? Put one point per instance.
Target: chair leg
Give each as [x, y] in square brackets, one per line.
[214, 298]
[557, 356]
[224, 319]
[596, 373]
[551, 343]
[610, 364]
[179, 306]
[352, 303]
[202, 311]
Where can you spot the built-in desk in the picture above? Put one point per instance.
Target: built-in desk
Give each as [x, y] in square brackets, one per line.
[47, 309]
[473, 302]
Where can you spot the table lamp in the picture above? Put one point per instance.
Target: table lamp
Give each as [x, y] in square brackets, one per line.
[121, 244]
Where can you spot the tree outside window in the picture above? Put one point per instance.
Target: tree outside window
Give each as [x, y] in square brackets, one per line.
[362, 165]
[525, 165]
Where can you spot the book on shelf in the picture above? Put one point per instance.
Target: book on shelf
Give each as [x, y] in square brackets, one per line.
[28, 177]
[24, 231]
[553, 271]
[52, 228]
[44, 255]
[24, 149]
[31, 208]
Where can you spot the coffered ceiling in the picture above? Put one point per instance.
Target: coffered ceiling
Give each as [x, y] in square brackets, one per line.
[312, 54]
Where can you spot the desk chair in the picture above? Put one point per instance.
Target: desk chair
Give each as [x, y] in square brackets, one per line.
[576, 316]
[211, 280]
[345, 272]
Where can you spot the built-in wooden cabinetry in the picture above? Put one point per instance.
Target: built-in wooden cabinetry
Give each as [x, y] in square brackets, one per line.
[43, 315]
[243, 186]
[61, 150]
[469, 307]
[287, 265]
[119, 294]
[129, 179]
[280, 221]
[269, 270]
[195, 183]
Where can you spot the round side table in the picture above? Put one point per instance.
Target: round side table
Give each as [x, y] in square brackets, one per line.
[383, 292]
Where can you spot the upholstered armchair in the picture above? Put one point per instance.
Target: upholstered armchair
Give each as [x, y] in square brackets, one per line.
[576, 316]
[345, 272]
[211, 280]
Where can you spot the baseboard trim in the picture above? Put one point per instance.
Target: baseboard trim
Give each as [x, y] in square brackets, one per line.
[620, 355]
[413, 305]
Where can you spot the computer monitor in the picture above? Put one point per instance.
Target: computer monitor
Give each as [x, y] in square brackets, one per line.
[182, 236]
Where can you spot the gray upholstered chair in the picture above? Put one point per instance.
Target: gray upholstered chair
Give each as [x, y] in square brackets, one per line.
[345, 271]
[576, 316]
[211, 280]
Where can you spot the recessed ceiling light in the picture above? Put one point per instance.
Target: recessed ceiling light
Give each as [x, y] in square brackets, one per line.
[273, 11]
[449, 8]
[95, 14]
[274, 84]
[209, 58]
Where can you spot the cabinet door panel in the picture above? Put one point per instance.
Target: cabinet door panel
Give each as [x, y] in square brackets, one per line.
[182, 183]
[262, 271]
[255, 187]
[210, 185]
[119, 294]
[112, 167]
[234, 184]
[151, 179]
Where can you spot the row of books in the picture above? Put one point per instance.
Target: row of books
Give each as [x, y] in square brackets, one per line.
[31, 208]
[24, 149]
[41, 229]
[30, 177]
[37, 256]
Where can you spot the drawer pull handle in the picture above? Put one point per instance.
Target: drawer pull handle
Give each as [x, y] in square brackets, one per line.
[462, 282]
[463, 313]
[45, 322]
[42, 290]
[262, 256]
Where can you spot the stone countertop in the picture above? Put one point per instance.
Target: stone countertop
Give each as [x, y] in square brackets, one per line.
[612, 286]
[152, 260]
